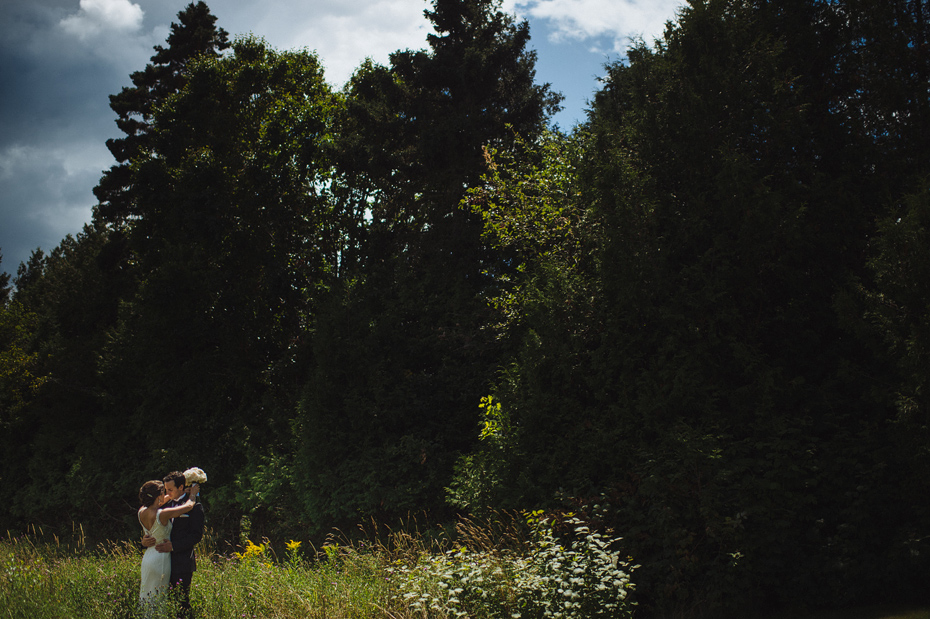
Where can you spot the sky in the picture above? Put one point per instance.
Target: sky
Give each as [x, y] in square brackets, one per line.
[61, 59]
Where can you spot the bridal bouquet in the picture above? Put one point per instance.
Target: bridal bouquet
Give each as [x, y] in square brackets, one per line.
[195, 475]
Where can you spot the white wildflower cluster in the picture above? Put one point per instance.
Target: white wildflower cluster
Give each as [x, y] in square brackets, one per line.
[580, 580]
[583, 580]
[458, 583]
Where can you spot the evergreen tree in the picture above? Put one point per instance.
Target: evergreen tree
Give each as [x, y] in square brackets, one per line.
[194, 34]
[403, 358]
[73, 296]
[29, 272]
[63, 306]
[717, 399]
[4, 284]
[891, 99]
[234, 239]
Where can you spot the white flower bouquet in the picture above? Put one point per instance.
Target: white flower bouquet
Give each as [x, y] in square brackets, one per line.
[195, 476]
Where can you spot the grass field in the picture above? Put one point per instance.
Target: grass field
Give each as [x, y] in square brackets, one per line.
[43, 578]
[404, 577]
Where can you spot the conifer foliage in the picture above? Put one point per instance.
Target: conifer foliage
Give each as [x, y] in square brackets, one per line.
[727, 396]
[698, 320]
[195, 34]
[401, 356]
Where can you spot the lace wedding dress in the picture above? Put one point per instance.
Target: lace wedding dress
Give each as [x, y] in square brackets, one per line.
[156, 566]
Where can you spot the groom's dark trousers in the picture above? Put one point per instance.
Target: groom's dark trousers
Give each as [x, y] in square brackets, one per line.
[186, 532]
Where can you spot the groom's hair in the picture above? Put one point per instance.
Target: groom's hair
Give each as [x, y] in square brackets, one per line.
[176, 478]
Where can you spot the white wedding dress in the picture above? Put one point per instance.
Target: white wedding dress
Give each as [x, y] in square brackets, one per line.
[156, 566]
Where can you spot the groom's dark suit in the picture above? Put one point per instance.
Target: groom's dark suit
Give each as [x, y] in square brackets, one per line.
[186, 532]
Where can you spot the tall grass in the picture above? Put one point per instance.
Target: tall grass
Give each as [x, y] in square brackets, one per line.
[44, 579]
[505, 567]
[501, 568]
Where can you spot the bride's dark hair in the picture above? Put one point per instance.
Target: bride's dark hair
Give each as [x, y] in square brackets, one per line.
[150, 491]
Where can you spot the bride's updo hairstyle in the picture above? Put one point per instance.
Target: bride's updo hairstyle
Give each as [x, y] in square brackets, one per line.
[150, 491]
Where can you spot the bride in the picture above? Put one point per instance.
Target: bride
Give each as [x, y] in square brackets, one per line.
[156, 521]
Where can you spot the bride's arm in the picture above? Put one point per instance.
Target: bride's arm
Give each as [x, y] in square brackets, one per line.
[173, 512]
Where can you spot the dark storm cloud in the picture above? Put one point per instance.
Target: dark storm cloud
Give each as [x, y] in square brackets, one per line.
[55, 116]
[41, 200]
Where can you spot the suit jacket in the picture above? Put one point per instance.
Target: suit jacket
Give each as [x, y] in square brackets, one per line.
[186, 532]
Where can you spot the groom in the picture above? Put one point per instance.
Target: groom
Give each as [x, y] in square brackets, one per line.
[186, 532]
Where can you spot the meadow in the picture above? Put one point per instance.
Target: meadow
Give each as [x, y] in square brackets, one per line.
[525, 572]
[514, 569]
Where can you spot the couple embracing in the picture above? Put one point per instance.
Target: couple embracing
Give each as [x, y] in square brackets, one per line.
[172, 520]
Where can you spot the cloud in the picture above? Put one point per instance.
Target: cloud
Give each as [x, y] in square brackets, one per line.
[343, 33]
[47, 194]
[60, 59]
[619, 21]
[98, 16]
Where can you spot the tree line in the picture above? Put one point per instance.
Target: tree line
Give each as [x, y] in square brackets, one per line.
[699, 318]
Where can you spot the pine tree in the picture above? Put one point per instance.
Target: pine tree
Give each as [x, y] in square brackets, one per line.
[4, 285]
[403, 359]
[194, 34]
[233, 240]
